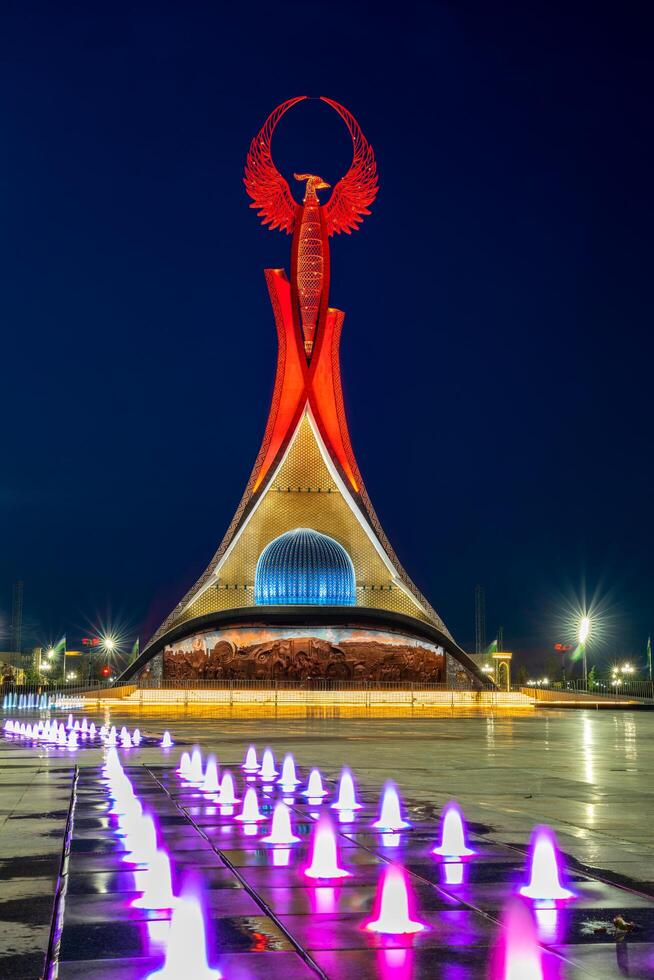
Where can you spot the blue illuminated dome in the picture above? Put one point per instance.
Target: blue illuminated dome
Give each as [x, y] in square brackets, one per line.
[304, 568]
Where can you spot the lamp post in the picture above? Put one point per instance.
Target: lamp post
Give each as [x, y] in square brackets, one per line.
[583, 634]
[109, 647]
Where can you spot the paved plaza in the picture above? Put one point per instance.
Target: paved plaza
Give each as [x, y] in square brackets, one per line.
[586, 774]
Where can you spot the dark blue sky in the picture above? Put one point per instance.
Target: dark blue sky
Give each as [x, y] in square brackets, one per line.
[497, 346]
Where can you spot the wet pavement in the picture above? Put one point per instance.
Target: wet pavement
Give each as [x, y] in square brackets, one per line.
[585, 773]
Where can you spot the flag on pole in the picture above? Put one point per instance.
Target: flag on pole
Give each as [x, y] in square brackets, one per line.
[135, 649]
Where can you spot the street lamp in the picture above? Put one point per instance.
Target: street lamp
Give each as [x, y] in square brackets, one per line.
[582, 636]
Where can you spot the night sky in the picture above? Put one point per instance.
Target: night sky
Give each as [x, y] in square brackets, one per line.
[497, 346]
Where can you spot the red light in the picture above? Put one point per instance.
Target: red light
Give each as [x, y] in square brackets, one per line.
[105, 671]
[562, 647]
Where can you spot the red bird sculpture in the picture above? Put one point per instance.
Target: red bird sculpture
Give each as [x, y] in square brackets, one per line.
[311, 222]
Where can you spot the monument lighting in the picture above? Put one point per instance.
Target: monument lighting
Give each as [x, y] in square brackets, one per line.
[305, 584]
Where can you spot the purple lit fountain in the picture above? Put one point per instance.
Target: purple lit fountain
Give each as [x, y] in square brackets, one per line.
[453, 836]
[268, 772]
[393, 914]
[347, 799]
[324, 856]
[288, 779]
[315, 789]
[250, 763]
[281, 831]
[544, 883]
[390, 816]
[195, 773]
[250, 812]
[210, 782]
[227, 795]
[186, 950]
[518, 955]
[141, 841]
[155, 883]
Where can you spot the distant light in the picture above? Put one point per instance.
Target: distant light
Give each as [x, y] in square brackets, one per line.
[109, 642]
[584, 629]
[46, 666]
[51, 652]
[545, 680]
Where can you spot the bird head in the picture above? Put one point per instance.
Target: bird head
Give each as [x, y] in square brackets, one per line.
[314, 183]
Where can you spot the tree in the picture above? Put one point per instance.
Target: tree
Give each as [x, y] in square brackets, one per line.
[593, 678]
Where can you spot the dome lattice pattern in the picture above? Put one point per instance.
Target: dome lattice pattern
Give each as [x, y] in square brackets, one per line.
[303, 567]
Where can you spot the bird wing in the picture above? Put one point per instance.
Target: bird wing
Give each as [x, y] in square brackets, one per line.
[269, 191]
[356, 191]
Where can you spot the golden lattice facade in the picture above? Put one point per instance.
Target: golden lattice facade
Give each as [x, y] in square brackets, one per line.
[303, 493]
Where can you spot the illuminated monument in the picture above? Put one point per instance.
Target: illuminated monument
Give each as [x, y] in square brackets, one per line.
[305, 583]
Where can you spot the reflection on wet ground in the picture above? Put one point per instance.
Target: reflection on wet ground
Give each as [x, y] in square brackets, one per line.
[584, 773]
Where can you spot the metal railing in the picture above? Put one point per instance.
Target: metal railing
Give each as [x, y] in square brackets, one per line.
[306, 684]
[52, 689]
[643, 690]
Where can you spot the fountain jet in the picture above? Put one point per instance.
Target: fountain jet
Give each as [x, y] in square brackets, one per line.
[288, 779]
[453, 836]
[156, 883]
[268, 771]
[195, 773]
[324, 857]
[227, 795]
[141, 842]
[544, 881]
[186, 950]
[314, 786]
[518, 955]
[250, 763]
[210, 782]
[166, 741]
[346, 793]
[281, 831]
[393, 905]
[250, 812]
[390, 816]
